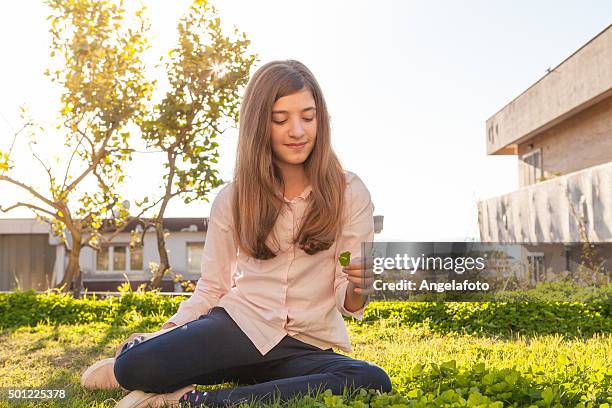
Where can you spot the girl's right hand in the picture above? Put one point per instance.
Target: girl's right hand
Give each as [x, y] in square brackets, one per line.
[166, 325]
[131, 338]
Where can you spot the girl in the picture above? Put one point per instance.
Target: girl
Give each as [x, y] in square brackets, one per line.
[276, 233]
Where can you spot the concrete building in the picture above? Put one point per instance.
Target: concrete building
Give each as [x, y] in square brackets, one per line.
[19, 268]
[560, 129]
[31, 257]
[22, 240]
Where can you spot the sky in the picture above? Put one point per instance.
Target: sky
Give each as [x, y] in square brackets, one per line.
[409, 86]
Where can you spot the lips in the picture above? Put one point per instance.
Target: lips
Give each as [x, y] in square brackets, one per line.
[296, 146]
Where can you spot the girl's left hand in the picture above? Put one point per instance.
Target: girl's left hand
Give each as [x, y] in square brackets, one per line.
[360, 276]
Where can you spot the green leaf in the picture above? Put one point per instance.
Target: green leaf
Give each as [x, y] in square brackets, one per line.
[547, 395]
[345, 258]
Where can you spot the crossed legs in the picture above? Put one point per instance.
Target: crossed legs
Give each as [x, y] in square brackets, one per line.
[213, 350]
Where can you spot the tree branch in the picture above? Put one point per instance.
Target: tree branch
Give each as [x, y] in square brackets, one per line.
[108, 238]
[99, 155]
[47, 169]
[83, 136]
[30, 206]
[16, 134]
[32, 191]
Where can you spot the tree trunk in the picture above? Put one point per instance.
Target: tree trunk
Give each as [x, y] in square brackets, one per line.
[72, 275]
[164, 263]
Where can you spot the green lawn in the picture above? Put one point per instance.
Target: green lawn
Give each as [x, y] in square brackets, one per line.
[435, 369]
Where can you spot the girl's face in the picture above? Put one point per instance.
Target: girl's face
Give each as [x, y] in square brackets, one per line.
[294, 128]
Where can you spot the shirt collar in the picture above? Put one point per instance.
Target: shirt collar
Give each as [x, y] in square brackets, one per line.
[302, 196]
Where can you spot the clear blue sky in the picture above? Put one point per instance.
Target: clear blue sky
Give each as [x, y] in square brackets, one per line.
[409, 86]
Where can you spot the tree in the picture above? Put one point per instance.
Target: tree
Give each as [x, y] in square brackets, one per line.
[103, 88]
[206, 72]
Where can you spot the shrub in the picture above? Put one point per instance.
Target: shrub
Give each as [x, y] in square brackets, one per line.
[28, 308]
[528, 313]
[504, 318]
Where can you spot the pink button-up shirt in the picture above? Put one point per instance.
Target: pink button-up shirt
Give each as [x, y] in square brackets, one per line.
[293, 293]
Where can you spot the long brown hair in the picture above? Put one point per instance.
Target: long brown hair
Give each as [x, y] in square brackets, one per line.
[256, 201]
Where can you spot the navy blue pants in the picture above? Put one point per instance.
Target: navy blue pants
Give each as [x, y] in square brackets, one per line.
[213, 350]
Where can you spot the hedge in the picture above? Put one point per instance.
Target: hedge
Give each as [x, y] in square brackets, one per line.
[533, 316]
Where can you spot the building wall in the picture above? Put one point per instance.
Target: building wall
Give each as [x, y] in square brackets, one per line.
[552, 211]
[582, 141]
[578, 82]
[176, 244]
[18, 268]
[555, 257]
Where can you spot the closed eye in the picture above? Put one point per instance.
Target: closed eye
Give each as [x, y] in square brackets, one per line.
[281, 122]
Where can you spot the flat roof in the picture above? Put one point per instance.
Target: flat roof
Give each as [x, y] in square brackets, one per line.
[581, 80]
[552, 70]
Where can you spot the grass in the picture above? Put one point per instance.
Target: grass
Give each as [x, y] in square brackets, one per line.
[53, 356]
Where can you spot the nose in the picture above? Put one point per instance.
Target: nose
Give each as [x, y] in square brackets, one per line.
[296, 130]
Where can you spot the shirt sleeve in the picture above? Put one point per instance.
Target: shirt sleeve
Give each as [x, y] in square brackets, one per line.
[217, 266]
[359, 227]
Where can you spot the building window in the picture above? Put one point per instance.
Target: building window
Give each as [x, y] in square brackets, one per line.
[136, 259]
[194, 256]
[119, 259]
[532, 167]
[102, 259]
[537, 270]
[119, 256]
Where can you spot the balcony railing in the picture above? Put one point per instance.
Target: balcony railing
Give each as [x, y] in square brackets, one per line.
[570, 208]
